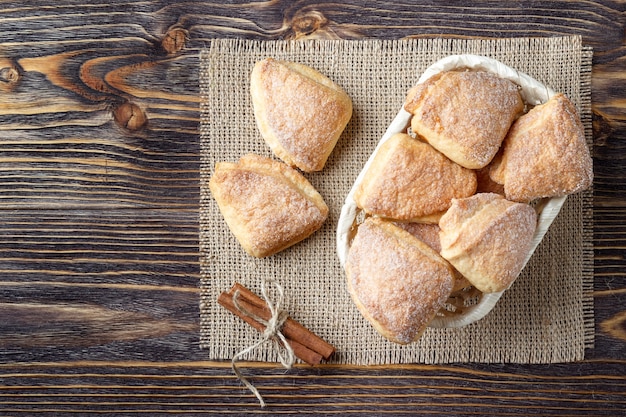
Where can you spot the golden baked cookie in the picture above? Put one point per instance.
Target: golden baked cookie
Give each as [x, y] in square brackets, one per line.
[409, 179]
[545, 154]
[426, 232]
[487, 238]
[300, 112]
[464, 114]
[267, 205]
[397, 282]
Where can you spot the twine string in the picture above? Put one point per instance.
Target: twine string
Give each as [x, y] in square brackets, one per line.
[271, 333]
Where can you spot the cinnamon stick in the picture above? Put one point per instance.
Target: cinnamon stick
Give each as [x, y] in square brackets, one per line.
[291, 328]
[302, 352]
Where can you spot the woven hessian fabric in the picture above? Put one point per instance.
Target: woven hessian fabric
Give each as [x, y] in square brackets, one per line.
[545, 317]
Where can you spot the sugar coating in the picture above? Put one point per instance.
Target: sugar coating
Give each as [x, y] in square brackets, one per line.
[397, 282]
[300, 112]
[545, 154]
[426, 232]
[486, 238]
[409, 179]
[267, 205]
[429, 234]
[465, 114]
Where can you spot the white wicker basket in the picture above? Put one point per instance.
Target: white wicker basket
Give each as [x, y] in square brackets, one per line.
[469, 305]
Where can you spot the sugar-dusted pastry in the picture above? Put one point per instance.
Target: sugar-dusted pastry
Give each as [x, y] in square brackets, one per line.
[409, 179]
[396, 281]
[464, 114]
[487, 238]
[300, 112]
[545, 154]
[267, 205]
[429, 234]
[426, 232]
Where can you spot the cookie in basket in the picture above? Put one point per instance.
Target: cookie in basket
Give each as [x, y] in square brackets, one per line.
[487, 238]
[464, 114]
[544, 154]
[409, 180]
[397, 282]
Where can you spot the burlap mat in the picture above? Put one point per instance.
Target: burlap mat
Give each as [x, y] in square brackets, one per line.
[547, 316]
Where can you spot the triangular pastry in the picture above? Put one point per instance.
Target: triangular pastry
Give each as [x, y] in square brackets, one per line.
[300, 112]
[410, 180]
[267, 205]
[464, 114]
[544, 154]
[396, 281]
[487, 238]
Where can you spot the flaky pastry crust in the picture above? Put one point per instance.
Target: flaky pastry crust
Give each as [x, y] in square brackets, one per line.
[486, 238]
[267, 205]
[397, 282]
[545, 154]
[464, 114]
[299, 112]
[409, 179]
[429, 234]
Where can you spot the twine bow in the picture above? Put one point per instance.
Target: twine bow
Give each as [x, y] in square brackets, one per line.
[271, 333]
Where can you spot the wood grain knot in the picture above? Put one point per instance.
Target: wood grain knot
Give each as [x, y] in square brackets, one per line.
[9, 74]
[306, 22]
[175, 40]
[130, 116]
[602, 129]
[615, 326]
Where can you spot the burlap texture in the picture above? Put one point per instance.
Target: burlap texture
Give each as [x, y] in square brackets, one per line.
[547, 316]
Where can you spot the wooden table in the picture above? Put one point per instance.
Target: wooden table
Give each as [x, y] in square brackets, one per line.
[99, 259]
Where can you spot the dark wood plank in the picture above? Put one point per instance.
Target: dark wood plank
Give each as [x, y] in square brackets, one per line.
[200, 388]
[99, 285]
[77, 167]
[99, 195]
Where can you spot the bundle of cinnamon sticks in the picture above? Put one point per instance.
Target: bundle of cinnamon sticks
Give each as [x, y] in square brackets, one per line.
[306, 345]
